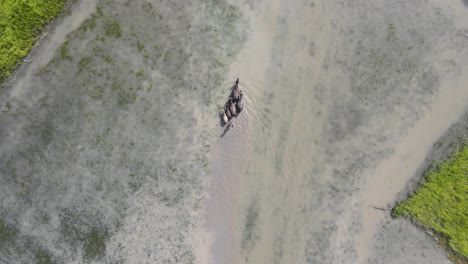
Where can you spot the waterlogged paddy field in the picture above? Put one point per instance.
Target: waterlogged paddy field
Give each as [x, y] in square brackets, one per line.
[104, 146]
[102, 152]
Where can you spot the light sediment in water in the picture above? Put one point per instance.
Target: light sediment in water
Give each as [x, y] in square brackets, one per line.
[103, 151]
[348, 98]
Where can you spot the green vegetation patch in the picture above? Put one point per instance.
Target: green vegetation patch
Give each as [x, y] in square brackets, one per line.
[43, 257]
[83, 230]
[140, 46]
[64, 51]
[112, 29]
[7, 234]
[95, 243]
[441, 202]
[20, 23]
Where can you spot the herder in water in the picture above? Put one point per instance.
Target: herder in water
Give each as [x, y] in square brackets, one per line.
[234, 105]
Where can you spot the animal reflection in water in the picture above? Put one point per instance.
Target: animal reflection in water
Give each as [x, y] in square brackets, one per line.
[233, 106]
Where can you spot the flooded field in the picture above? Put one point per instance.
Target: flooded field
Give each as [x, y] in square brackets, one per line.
[111, 149]
[346, 101]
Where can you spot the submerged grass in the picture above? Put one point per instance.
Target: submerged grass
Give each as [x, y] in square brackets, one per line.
[441, 203]
[7, 234]
[112, 29]
[20, 23]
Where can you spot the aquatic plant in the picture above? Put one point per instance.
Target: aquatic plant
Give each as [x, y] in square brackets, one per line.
[43, 257]
[140, 46]
[64, 51]
[20, 24]
[7, 234]
[81, 229]
[441, 202]
[112, 29]
[95, 243]
[84, 63]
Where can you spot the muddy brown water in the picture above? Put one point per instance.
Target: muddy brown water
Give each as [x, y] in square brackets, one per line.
[114, 153]
[346, 100]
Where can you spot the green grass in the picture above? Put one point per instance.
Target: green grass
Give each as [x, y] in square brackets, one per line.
[112, 29]
[95, 244]
[441, 203]
[7, 234]
[140, 46]
[64, 51]
[43, 257]
[21, 21]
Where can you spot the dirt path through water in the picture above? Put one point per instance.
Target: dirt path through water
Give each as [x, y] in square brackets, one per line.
[220, 237]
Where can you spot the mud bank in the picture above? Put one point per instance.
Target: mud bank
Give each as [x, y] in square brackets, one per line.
[399, 241]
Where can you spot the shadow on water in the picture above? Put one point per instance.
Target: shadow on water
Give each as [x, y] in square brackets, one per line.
[225, 130]
[465, 2]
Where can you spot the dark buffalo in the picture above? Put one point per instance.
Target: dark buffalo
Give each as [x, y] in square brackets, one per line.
[232, 107]
[227, 112]
[240, 103]
[225, 118]
[236, 91]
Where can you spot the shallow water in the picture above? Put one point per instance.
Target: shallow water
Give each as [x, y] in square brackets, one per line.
[111, 152]
[340, 95]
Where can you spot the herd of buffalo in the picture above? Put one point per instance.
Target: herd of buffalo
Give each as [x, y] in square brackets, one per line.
[234, 104]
